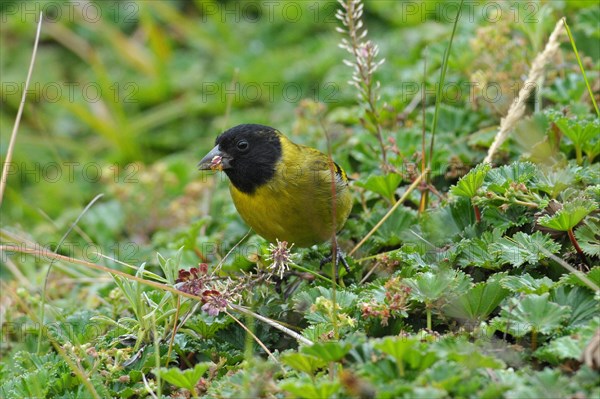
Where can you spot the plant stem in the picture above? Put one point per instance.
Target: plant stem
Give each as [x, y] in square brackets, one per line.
[311, 272]
[587, 83]
[428, 318]
[477, 213]
[578, 154]
[533, 339]
[576, 245]
[400, 365]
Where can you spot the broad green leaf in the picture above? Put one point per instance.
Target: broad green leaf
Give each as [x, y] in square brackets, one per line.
[396, 347]
[593, 275]
[468, 185]
[559, 349]
[184, 378]
[533, 313]
[526, 284]
[328, 351]
[476, 360]
[570, 346]
[588, 237]
[476, 251]
[580, 132]
[554, 181]
[581, 302]
[207, 326]
[303, 362]
[309, 389]
[499, 179]
[478, 302]
[570, 215]
[523, 248]
[503, 219]
[383, 185]
[391, 231]
[440, 225]
[431, 286]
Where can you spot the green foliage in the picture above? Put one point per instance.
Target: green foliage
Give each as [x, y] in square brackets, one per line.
[524, 248]
[478, 302]
[306, 363]
[532, 313]
[588, 237]
[527, 284]
[383, 185]
[503, 318]
[186, 379]
[569, 215]
[306, 388]
[469, 184]
[428, 287]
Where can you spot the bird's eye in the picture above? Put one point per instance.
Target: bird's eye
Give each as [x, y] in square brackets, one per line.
[242, 145]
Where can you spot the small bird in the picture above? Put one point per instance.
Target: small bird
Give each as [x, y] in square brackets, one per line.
[284, 191]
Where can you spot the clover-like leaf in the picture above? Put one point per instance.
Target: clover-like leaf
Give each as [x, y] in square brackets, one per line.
[569, 215]
[533, 313]
[523, 248]
[468, 185]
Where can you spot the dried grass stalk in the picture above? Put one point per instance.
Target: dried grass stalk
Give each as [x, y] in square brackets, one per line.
[517, 109]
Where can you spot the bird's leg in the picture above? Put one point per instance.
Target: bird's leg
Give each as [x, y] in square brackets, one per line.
[340, 256]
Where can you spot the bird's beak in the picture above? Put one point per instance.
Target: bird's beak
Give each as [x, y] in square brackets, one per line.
[215, 160]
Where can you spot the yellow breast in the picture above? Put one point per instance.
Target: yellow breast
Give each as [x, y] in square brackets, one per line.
[299, 203]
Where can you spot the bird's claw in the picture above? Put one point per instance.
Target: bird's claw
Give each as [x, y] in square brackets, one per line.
[340, 257]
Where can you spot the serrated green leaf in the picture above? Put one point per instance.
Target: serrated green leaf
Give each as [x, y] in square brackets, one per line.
[468, 185]
[581, 302]
[499, 179]
[526, 284]
[523, 248]
[475, 251]
[309, 389]
[588, 237]
[593, 275]
[184, 378]
[478, 302]
[428, 286]
[569, 215]
[533, 313]
[396, 347]
[383, 185]
[560, 349]
[303, 362]
[503, 219]
[328, 351]
[578, 131]
[474, 360]
[554, 181]
[207, 326]
[391, 231]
